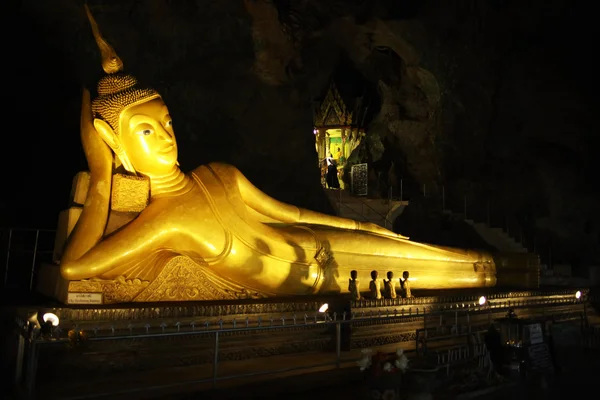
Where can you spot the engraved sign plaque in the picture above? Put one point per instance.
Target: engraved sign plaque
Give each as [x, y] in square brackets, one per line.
[536, 335]
[359, 179]
[539, 358]
[84, 298]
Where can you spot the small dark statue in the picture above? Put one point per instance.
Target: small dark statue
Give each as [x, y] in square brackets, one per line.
[375, 286]
[354, 286]
[405, 285]
[389, 288]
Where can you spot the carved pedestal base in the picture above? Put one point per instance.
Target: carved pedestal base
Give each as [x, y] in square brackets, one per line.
[181, 279]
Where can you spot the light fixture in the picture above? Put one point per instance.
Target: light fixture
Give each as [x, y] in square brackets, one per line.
[324, 308]
[51, 318]
[33, 321]
[578, 295]
[482, 300]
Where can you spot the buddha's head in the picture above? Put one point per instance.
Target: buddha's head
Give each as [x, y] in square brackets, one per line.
[132, 119]
[135, 122]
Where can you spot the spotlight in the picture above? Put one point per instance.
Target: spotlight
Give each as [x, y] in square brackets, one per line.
[482, 300]
[324, 308]
[34, 323]
[51, 318]
[578, 295]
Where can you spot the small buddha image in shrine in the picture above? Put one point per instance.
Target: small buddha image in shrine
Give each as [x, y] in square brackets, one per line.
[336, 134]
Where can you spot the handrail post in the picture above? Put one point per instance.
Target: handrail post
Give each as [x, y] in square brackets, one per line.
[216, 359]
[19, 361]
[338, 344]
[443, 198]
[401, 189]
[30, 378]
[37, 237]
[7, 257]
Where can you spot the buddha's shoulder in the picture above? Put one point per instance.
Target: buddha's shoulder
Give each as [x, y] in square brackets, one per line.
[216, 168]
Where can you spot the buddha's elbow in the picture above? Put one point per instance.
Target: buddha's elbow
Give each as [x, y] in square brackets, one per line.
[70, 272]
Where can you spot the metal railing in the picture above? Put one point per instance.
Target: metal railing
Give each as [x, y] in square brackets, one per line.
[31, 339]
[364, 218]
[24, 246]
[30, 343]
[591, 337]
[482, 205]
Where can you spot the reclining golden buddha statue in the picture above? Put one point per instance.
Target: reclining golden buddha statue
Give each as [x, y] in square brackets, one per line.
[211, 234]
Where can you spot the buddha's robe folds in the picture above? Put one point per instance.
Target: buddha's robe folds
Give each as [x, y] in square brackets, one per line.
[286, 256]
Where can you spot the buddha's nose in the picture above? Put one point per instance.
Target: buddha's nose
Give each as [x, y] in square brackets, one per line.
[164, 135]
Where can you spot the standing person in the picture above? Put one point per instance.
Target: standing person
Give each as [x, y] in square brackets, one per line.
[405, 285]
[332, 178]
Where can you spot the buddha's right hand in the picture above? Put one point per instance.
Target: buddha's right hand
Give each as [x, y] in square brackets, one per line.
[98, 154]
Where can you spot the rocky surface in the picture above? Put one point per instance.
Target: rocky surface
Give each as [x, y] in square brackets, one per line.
[494, 99]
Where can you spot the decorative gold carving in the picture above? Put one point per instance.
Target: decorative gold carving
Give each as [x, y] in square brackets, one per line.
[183, 279]
[129, 193]
[323, 257]
[333, 110]
[114, 291]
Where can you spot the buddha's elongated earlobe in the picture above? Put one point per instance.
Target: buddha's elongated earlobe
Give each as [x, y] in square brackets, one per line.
[112, 140]
[122, 156]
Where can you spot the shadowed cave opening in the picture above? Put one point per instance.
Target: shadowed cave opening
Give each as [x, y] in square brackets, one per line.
[359, 89]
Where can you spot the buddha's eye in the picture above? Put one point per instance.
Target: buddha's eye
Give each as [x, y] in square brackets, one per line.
[169, 123]
[146, 132]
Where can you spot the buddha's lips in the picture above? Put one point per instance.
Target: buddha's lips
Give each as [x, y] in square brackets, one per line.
[167, 149]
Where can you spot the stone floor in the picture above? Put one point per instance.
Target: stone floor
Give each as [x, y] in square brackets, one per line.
[577, 376]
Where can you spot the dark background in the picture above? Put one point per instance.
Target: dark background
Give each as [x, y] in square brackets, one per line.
[491, 99]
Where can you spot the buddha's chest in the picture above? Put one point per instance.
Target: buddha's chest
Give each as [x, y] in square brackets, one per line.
[195, 224]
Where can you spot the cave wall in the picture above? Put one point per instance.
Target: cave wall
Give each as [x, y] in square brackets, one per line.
[495, 95]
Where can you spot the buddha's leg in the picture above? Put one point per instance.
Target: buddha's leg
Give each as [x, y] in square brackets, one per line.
[430, 267]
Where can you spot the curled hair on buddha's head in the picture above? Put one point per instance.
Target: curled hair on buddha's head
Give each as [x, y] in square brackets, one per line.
[117, 90]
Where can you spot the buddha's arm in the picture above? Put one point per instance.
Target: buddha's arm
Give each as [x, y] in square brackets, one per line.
[131, 244]
[279, 211]
[91, 224]
[90, 227]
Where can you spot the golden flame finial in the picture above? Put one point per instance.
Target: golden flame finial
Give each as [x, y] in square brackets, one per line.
[111, 63]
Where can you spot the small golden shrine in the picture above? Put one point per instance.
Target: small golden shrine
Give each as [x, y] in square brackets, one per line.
[336, 127]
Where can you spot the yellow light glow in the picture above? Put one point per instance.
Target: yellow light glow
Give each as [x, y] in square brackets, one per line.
[52, 318]
[578, 295]
[324, 308]
[482, 300]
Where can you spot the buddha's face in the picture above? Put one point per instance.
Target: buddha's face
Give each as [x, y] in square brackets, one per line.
[147, 137]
